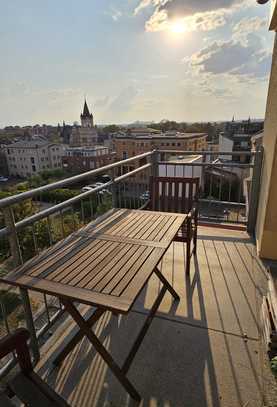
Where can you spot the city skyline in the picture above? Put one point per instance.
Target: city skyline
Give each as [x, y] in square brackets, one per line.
[134, 60]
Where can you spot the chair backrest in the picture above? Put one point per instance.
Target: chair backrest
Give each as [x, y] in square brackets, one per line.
[172, 194]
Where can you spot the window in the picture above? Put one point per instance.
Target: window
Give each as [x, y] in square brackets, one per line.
[178, 144]
[33, 168]
[173, 144]
[124, 155]
[32, 160]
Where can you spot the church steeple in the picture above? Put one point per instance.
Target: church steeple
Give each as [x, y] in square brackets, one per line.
[85, 110]
[86, 116]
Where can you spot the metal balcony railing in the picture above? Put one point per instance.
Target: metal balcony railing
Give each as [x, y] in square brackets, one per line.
[22, 237]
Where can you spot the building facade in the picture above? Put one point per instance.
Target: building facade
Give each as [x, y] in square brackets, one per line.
[86, 134]
[79, 159]
[126, 147]
[27, 158]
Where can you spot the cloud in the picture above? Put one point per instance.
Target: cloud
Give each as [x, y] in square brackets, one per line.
[114, 13]
[124, 101]
[102, 102]
[247, 26]
[204, 15]
[233, 58]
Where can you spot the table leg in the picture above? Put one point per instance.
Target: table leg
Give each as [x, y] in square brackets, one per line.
[143, 331]
[77, 337]
[86, 329]
[166, 283]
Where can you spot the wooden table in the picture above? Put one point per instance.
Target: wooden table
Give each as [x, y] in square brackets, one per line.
[105, 264]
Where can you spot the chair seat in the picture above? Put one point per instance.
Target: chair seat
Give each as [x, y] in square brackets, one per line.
[182, 235]
[5, 401]
[34, 392]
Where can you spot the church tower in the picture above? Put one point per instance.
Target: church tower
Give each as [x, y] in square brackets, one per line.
[86, 117]
[86, 134]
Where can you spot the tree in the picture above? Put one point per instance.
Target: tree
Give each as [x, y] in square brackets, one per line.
[112, 128]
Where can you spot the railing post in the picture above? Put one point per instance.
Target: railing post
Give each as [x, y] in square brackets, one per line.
[114, 191]
[255, 191]
[30, 324]
[155, 165]
[17, 260]
[12, 236]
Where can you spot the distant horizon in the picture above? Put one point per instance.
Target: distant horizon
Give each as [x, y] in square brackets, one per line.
[136, 122]
[203, 60]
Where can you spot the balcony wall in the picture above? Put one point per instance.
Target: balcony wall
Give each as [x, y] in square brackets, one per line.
[266, 228]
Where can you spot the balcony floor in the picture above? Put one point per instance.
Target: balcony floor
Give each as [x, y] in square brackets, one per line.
[203, 351]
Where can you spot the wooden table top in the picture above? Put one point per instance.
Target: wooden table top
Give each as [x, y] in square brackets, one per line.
[106, 263]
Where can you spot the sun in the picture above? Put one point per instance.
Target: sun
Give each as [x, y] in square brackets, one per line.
[177, 27]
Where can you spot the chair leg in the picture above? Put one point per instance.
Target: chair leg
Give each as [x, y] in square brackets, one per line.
[188, 258]
[195, 242]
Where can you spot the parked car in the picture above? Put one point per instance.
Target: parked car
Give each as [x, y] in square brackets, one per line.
[3, 179]
[96, 185]
[145, 196]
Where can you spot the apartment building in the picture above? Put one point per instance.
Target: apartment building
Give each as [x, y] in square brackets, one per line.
[27, 158]
[126, 146]
[87, 158]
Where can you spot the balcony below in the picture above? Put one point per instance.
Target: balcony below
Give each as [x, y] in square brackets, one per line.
[204, 351]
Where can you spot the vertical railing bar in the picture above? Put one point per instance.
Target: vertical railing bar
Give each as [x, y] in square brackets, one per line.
[124, 194]
[4, 313]
[34, 239]
[230, 189]
[91, 207]
[6, 322]
[220, 188]
[13, 236]
[62, 224]
[133, 193]
[73, 218]
[30, 323]
[82, 212]
[49, 230]
[119, 195]
[46, 308]
[240, 187]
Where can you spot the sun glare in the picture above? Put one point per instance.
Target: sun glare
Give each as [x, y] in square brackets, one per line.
[177, 27]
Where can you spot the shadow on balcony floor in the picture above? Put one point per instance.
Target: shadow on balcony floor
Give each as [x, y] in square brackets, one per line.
[203, 352]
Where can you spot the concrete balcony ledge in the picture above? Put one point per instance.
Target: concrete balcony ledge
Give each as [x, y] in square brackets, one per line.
[205, 351]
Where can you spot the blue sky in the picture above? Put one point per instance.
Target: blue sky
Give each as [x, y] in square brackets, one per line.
[183, 60]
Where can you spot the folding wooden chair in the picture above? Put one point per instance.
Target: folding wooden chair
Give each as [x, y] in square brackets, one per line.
[172, 194]
[26, 385]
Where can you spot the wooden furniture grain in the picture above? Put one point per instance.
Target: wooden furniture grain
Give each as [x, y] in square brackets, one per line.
[106, 265]
[179, 195]
[26, 385]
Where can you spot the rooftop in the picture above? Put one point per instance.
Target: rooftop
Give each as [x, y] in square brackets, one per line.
[101, 147]
[164, 136]
[30, 144]
[184, 159]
